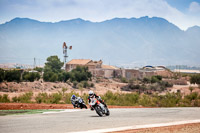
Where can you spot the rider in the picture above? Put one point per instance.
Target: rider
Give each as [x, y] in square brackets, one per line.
[91, 95]
[74, 100]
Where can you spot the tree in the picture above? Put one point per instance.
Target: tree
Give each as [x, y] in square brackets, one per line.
[195, 79]
[12, 75]
[2, 75]
[39, 69]
[52, 69]
[80, 73]
[53, 63]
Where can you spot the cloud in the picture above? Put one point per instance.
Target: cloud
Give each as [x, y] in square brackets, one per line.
[194, 7]
[93, 10]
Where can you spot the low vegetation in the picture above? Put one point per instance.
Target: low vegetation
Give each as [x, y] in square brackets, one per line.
[147, 85]
[121, 99]
[18, 76]
[154, 100]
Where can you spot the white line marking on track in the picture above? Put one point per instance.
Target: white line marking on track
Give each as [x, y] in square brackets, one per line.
[62, 111]
[139, 126]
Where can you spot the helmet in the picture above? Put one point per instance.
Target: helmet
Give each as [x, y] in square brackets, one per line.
[91, 93]
[73, 96]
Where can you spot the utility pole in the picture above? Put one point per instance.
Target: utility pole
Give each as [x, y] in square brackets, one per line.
[34, 65]
[65, 53]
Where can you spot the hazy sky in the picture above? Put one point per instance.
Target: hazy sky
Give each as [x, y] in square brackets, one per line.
[183, 13]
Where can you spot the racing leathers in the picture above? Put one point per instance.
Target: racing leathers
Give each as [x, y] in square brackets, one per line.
[97, 97]
[74, 101]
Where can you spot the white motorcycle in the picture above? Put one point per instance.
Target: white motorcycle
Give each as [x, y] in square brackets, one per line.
[101, 109]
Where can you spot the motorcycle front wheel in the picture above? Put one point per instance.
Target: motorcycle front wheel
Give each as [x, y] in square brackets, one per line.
[84, 106]
[99, 111]
[107, 111]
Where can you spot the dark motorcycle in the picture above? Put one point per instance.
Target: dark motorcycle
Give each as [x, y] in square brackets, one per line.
[100, 108]
[80, 104]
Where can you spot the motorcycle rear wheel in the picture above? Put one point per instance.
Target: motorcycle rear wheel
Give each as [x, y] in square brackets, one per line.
[84, 106]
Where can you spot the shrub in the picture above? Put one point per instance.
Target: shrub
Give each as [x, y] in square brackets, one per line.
[12, 75]
[169, 100]
[154, 79]
[55, 98]
[85, 84]
[4, 98]
[25, 98]
[121, 99]
[92, 85]
[39, 69]
[80, 73]
[165, 84]
[42, 98]
[75, 83]
[145, 100]
[124, 80]
[31, 76]
[192, 96]
[2, 75]
[195, 79]
[146, 80]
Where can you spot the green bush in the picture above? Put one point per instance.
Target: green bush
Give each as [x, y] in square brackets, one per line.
[79, 74]
[121, 99]
[31, 76]
[42, 98]
[55, 98]
[39, 69]
[124, 80]
[154, 79]
[25, 98]
[192, 96]
[12, 75]
[4, 98]
[169, 100]
[145, 100]
[2, 75]
[195, 79]
[75, 83]
[146, 80]
[50, 76]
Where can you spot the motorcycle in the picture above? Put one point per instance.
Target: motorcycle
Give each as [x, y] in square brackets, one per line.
[80, 104]
[101, 109]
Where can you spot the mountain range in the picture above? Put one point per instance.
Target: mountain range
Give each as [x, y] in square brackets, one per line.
[119, 41]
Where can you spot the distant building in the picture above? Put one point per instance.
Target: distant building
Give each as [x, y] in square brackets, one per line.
[107, 71]
[95, 67]
[186, 71]
[83, 62]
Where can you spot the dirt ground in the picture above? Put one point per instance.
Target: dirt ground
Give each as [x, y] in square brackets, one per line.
[15, 89]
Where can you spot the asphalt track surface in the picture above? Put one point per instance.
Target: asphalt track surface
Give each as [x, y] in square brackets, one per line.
[88, 121]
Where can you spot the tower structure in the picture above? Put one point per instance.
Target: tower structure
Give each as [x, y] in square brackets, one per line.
[65, 53]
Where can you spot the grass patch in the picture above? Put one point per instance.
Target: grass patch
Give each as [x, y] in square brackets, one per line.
[21, 112]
